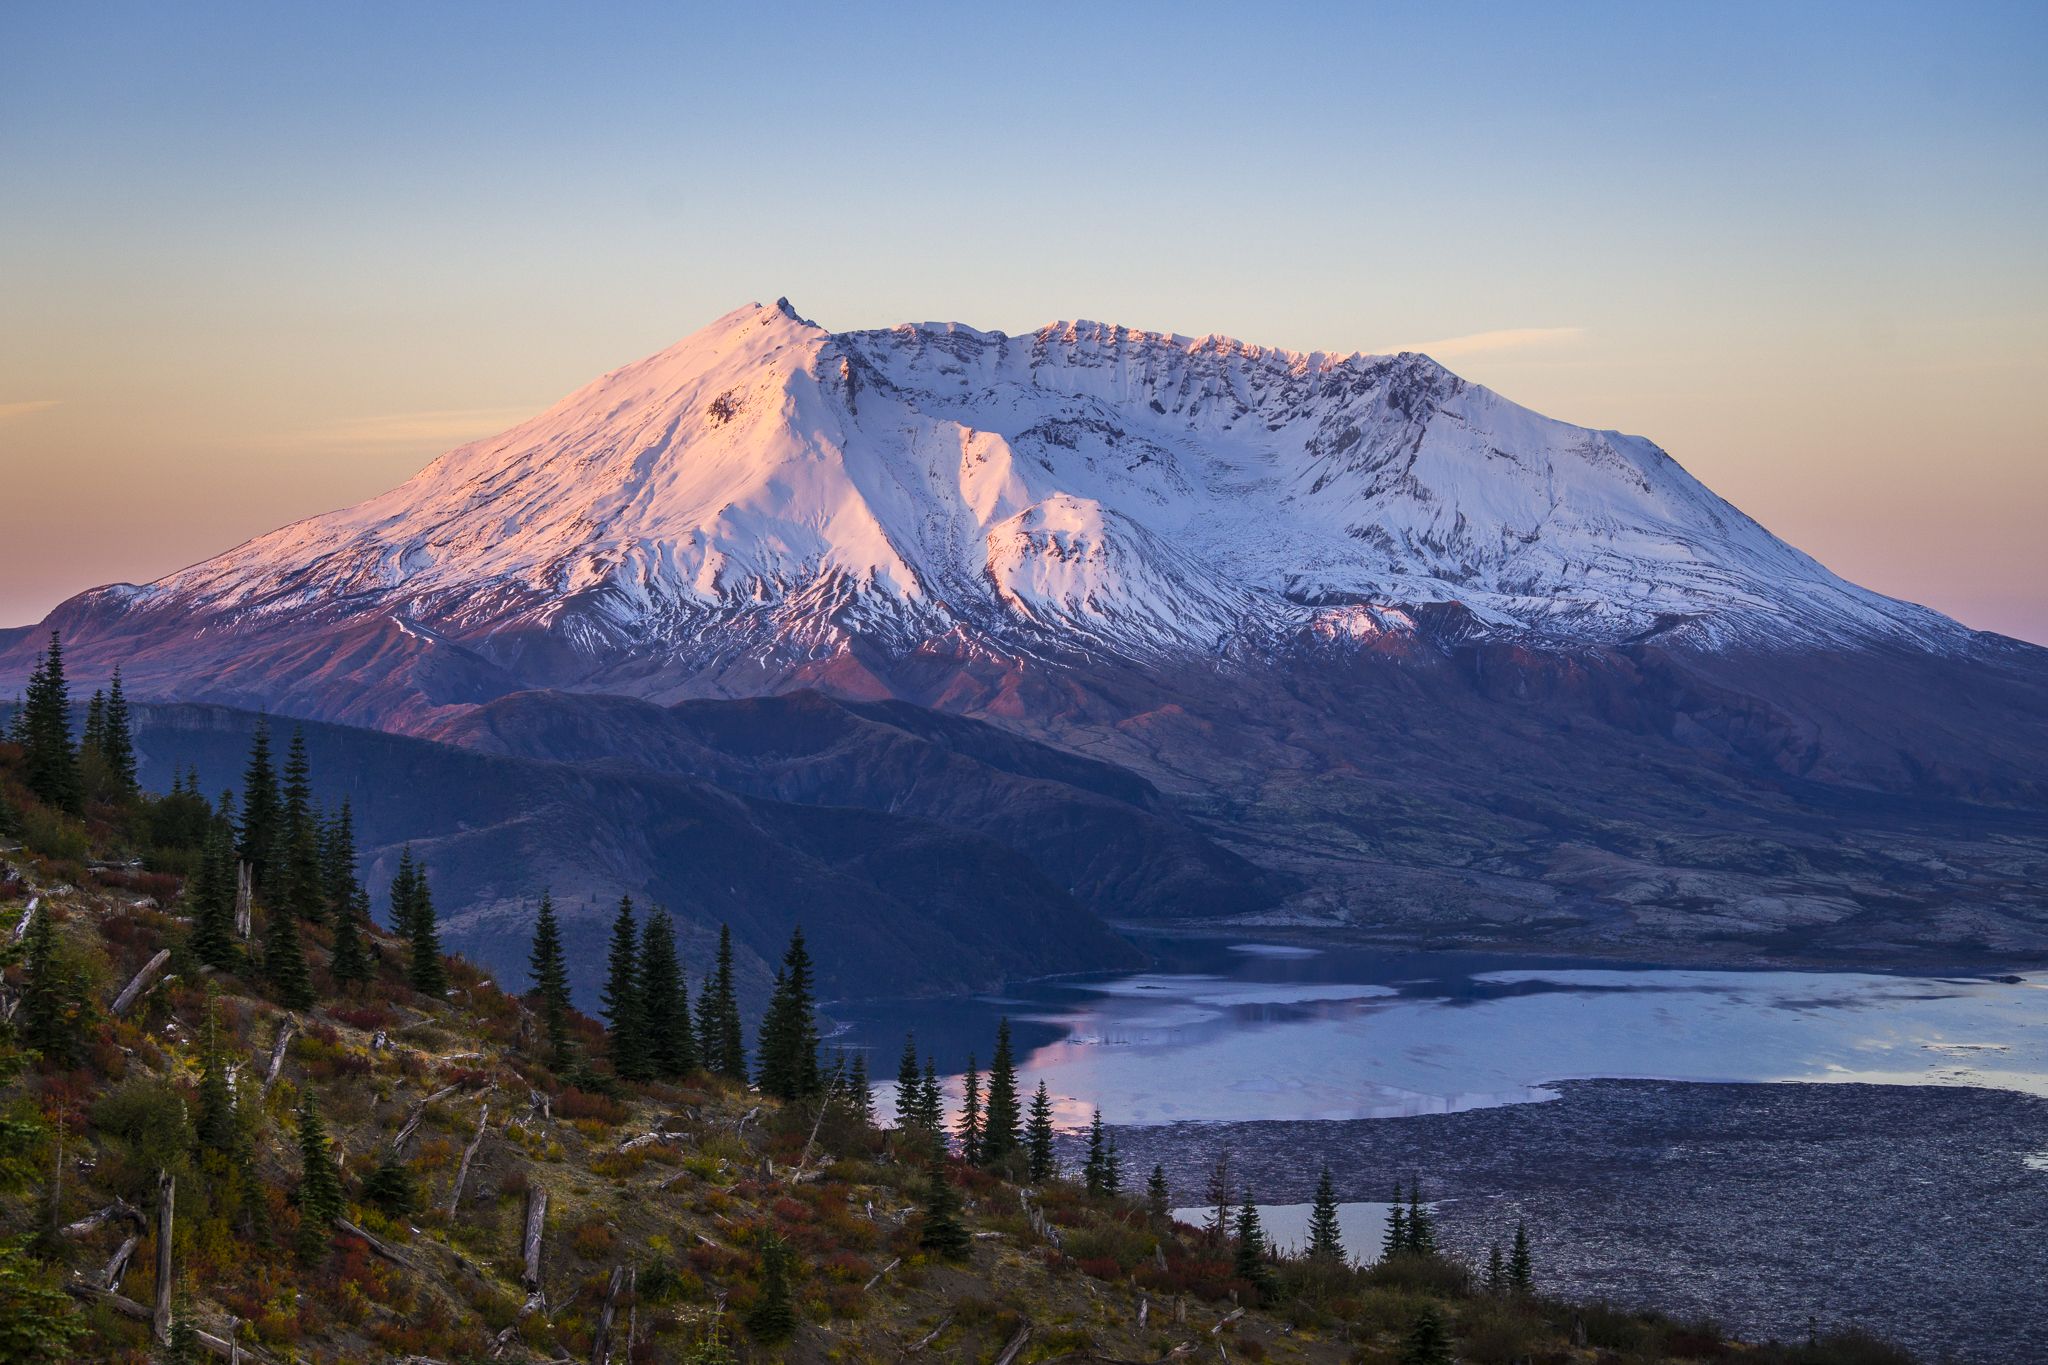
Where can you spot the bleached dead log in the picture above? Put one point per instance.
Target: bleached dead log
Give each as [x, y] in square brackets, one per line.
[529, 1247]
[600, 1351]
[226, 1348]
[468, 1155]
[1016, 1345]
[880, 1273]
[285, 1030]
[166, 1200]
[28, 917]
[645, 1140]
[99, 1218]
[1232, 1316]
[929, 1337]
[419, 1112]
[391, 1252]
[245, 891]
[117, 1265]
[141, 982]
[1144, 1312]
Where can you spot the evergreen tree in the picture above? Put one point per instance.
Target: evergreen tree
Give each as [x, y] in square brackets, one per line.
[320, 1198]
[1158, 1199]
[1421, 1227]
[1250, 1262]
[212, 896]
[549, 972]
[405, 890]
[183, 1347]
[304, 890]
[1003, 1115]
[55, 1014]
[789, 1029]
[860, 1093]
[1396, 1241]
[1428, 1341]
[391, 1187]
[261, 814]
[424, 967]
[117, 737]
[1521, 1269]
[95, 732]
[1496, 1272]
[1043, 1164]
[908, 1089]
[350, 963]
[50, 765]
[1219, 1193]
[1112, 1170]
[38, 1320]
[1325, 1238]
[773, 1318]
[720, 1044]
[284, 959]
[216, 1129]
[625, 1004]
[943, 1234]
[931, 1105]
[969, 1127]
[1095, 1170]
[665, 999]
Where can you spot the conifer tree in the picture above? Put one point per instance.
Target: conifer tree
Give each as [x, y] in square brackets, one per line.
[216, 1129]
[773, 1318]
[1042, 1162]
[789, 1029]
[1521, 1269]
[1496, 1272]
[1428, 1341]
[1250, 1262]
[284, 959]
[405, 884]
[908, 1088]
[1421, 1227]
[55, 1012]
[665, 999]
[1325, 1237]
[624, 1002]
[320, 1198]
[183, 1347]
[424, 969]
[1112, 1170]
[943, 1234]
[261, 816]
[95, 732]
[1003, 1115]
[350, 962]
[304, 887]
[860, 1092]
[1219, 1193]
[549, 972]
[1095, 1170]
[212, 896]
[50, 763]
[931, 1106]
[721, 1046]
[1158, 1199]
[969, 1127]
[117, 737]
[1396, 1240]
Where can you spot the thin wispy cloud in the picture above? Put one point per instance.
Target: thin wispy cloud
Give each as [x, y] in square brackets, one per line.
[450, 426]
[8, 410]
[1503, 339]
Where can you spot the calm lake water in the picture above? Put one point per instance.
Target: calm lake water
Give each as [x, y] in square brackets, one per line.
[1243, 1031]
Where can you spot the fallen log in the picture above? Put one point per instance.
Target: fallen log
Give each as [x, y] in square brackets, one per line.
[166, 1202]
[391, 1252]
[1232, 1316]
[128, 1308]
[929, 1337]
[468, 1155]
[419, 1113]
[1016, 1345]
[28, 917]
[529, 1247]
[117, 1266]
[141, 982]
[285, 1031]
[880, 1273]
[600, 1352]
[120, 1208]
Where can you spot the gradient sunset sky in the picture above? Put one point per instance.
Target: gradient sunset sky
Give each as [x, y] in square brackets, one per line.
[260, 261]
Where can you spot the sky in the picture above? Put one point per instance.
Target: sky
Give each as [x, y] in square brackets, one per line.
[259, 261]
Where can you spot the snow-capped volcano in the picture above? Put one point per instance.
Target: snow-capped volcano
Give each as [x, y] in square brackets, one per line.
[771, 490]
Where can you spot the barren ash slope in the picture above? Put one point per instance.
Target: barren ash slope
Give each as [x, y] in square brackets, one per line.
[1458, 668]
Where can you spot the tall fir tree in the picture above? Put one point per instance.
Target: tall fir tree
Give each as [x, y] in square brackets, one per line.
[284, 959]
[1219, 1193]
[1042, 1163]
[943, 1234]
[1095, 1170]
[320, 1198]
[625, 1003]
[117, 739]
[931, 1105]
[665, 999]
[216, 1127]
[721, 1045]
[1112, 1170]
[262, 815]
[1496, 1272]
[548, 970]
[211, 894]
[1421, 1226]
[908, 1089]
[1251, 1262]
[1325, 1236]
[1428, 1341]
[1002, 1129]
[1158, 1199]
[789, 1029]
[424, 969]
[773, 1317]
[54, 1014]
[969, 1127]
[94, 735]
[1395, 1242]
[50, 763]
[1521, 1267]
[860, 1091]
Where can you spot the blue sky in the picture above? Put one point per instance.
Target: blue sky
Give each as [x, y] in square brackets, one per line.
[261, 260]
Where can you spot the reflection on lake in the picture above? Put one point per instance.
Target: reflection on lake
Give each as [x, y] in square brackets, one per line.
[1253, 1031]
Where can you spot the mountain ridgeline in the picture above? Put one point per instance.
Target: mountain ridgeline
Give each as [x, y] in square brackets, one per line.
[1102, 625]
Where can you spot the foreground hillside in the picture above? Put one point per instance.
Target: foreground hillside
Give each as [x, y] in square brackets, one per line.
[455, 1174]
